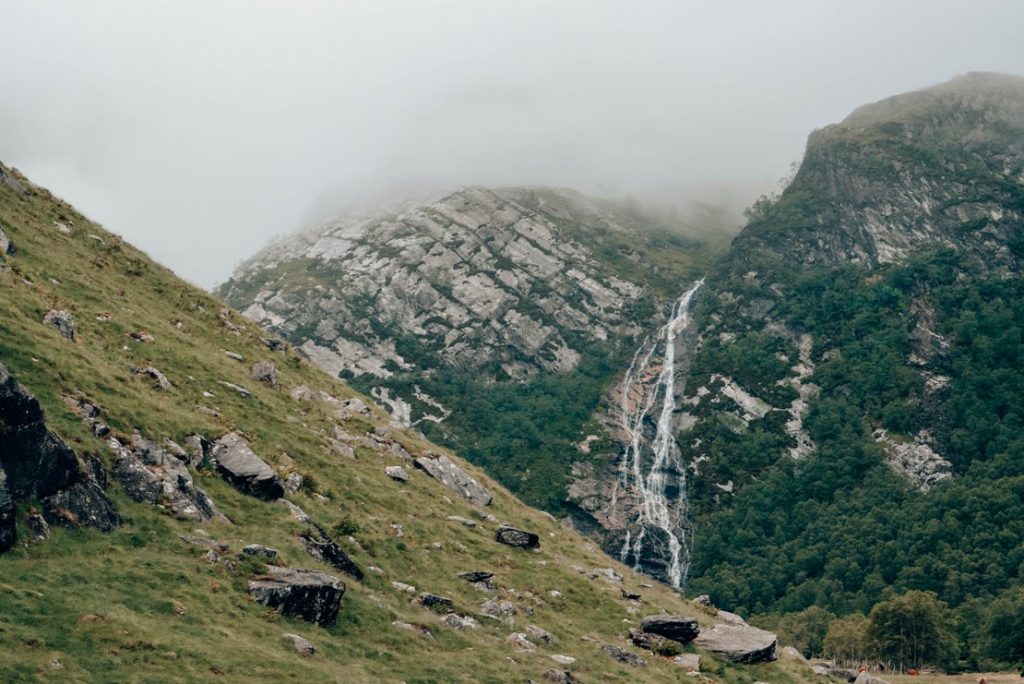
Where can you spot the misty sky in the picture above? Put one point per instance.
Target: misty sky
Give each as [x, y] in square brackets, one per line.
[200, 129]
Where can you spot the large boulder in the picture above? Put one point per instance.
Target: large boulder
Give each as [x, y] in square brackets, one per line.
[148, 473]
[246, 471]
[674, 627]
[512, 536]
[442, 469]
[83, 504]
[737, 641]
[308, 594]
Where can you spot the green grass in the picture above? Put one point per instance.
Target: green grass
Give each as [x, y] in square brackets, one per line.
[87, 606]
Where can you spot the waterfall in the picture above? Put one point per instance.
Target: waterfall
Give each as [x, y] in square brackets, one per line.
[647, 395]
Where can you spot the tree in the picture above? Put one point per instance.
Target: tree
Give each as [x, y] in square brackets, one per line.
[911, 630]
[846, 641]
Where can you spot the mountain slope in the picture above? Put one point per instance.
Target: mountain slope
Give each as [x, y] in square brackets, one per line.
[853, 408]
[164, 596]
[493, 320]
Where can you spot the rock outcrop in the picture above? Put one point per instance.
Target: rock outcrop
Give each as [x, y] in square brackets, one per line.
[308, 594]
[674, 627]
[246, 471]
[737, 641]
[444, 470]
[8, 531]
[63, 321]
[149, 473]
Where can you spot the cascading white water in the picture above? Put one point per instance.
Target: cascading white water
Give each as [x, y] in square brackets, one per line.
[644, 387]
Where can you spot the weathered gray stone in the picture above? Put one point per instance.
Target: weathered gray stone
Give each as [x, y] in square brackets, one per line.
[150, 474]
[300, 644]
[739, 643]
[674, 627]
[159, 379]
[6, 246]
[320, 545]
[690, 662]
[308, 594]
[539, 634]
[265, 372]
[63, 321]
[512, 536]
[397, 473]
[83, 504]
[865, 678]
[498, 609]
[37, 526]
[561, 676]
[246, 471]
[260, 551]
[623, 656]
[442, 469]
[459, 622]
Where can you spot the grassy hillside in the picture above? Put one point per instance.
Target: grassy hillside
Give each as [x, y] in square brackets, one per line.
[140, 604]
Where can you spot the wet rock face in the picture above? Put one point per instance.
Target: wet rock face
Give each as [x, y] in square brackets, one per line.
[511, 536]
[308, 594]
[442, 469]
[246, 471]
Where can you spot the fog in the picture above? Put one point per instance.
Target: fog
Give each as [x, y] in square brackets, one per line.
[200, 129]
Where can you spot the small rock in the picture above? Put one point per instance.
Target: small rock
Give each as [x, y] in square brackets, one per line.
[63, 321]
[444, 470]
[211, 556]
[301, 645]
[690, 662]
[37, 527]
[419, 629]
[438, 604]
[352, 408]
[518, 538]
[141, 336]
[233, 355]
[265, 372]
[242, 392]
[560, 677]
[498, 609]
[568, 661]
[607, 573]
[402, 586]
[397, 473]
[540, 634]
[260, 551]
[459, 622]
[476, 576]
[293, 483]
[62, 228]
[865, 678]
[6, 246]
[623, 656]
[462, 521]
[274, 344]
[521, 641]
[702, 600]
[155, 375]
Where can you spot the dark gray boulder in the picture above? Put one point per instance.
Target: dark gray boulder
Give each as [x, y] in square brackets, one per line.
[674, 627]
[476, 576]
[308, 594]
[320, 545]
[83, 504]
[438, 604]
[260, 551]
[8, 531]
[521, 539]
[150, 474]
[444, 470]
[246, 471]
[37, 527]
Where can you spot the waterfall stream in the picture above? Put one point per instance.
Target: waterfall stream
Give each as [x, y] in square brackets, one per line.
[650, 465]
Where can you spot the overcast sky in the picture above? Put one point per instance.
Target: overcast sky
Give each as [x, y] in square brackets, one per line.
[200, 129]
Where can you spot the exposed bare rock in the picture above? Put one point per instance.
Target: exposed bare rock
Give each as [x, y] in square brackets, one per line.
[438, 604]
[397, 473]
[6, 246]
[63, 321]
[459, 622]
[561, 676]
[739, 643]
[442, 469]
[623, 656]
[674, 627]
[916, 460]
[8, 524]
[155, 375]
[689, 662]
[37, 526]
[865, 678]
[246, 471]
[265, 372]
[301, 644]
[512, 536]
[260, 551]
[308, 594]
[521, 641]
[150, 474]
[320, 545]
